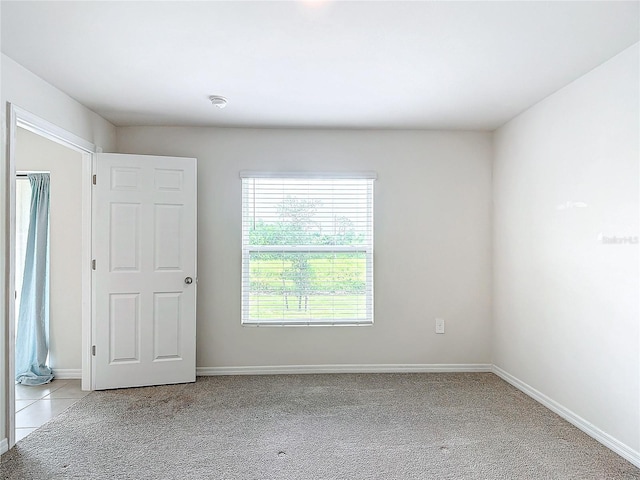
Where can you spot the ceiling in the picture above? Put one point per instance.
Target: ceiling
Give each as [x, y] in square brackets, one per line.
[321, 64]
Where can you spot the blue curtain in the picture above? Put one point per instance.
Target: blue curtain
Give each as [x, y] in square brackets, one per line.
[32, 338]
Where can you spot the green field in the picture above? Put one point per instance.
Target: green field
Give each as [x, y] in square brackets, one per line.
[294, 286]
[272, 307]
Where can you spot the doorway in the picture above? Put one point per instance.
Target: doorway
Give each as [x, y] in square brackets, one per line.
[36, 404]
[168, 217]
[19, 119]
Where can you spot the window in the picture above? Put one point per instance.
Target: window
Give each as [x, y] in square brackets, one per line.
[307, 249]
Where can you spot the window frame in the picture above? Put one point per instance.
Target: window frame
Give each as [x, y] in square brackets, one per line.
[366, 249]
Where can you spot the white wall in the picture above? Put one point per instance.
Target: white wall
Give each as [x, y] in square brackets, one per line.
[30, 92]
[432, 242]
[33, 94]
[35, 153]
[565, 305]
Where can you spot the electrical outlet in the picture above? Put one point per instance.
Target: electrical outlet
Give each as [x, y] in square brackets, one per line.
[439, 325]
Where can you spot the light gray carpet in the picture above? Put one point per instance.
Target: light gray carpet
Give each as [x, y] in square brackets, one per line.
[367, 426]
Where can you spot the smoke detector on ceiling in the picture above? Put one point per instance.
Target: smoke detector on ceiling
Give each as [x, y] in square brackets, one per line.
[218, 101]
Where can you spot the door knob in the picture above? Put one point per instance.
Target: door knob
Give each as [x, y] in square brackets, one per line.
[188, 280]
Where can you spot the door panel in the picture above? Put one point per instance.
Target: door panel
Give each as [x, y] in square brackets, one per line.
[124, 240]
[145, 248]
[168, 219]
[124, 328]
[167, 326]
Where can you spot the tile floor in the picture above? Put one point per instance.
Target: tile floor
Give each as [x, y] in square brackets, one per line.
[36, 405]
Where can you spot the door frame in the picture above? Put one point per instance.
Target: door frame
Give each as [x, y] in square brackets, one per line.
[18, 117]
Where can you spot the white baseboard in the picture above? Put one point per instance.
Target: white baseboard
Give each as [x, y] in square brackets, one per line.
[4, 446]
[67, 373]
[384, 368]
[604, 438]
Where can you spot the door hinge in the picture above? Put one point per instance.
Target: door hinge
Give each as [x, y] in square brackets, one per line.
[94, 179]
[93, 350]
[93, 264]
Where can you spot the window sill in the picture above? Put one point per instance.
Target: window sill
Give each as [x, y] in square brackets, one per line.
[307, 323]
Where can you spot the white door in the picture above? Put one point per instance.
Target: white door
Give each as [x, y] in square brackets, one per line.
[144, 282]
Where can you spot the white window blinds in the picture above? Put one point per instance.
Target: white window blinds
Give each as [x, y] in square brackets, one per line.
[307, 249]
